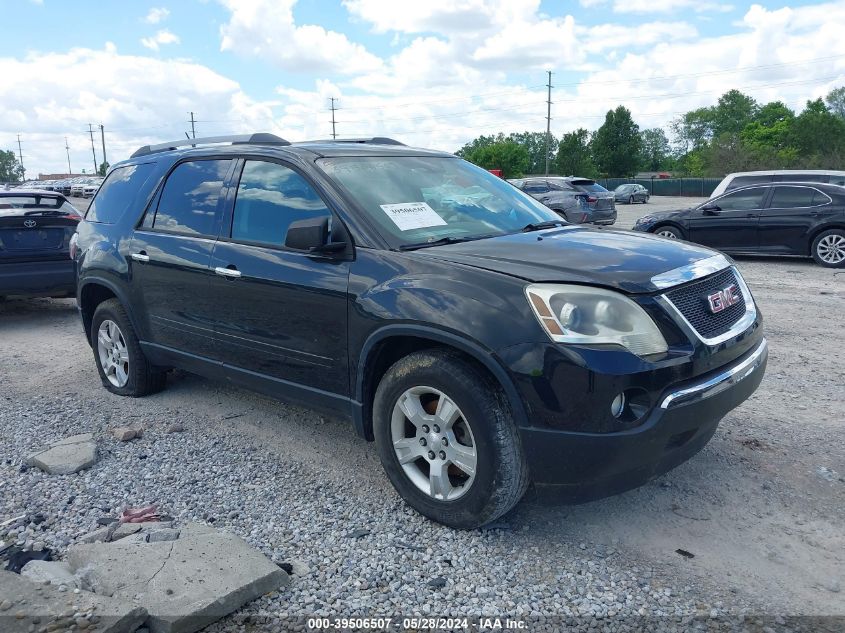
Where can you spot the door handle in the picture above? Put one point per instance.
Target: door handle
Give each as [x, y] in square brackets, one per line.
[231, 273]
[140, 257]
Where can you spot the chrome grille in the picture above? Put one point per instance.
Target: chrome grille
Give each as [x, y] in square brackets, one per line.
[691, 301]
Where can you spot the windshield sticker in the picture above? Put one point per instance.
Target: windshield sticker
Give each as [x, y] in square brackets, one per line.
[412, 215]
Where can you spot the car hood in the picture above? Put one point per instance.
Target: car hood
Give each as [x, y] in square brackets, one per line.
[623, 260]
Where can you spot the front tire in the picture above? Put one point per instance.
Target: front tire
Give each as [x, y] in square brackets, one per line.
[122, 365]
[447, 441]
[829, 249]
[669, 232]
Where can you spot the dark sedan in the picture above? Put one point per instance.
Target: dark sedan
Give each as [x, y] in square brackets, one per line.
[574, 199]
[631, 193]
[806, 219]
[35, 233]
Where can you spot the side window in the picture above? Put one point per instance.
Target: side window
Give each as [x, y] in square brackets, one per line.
[740, 200]
[820, 198]
[189, 200]
[799, 177]
[117, 193]
[271, 196]
[536, 186]
[744, 181]
[791, 197]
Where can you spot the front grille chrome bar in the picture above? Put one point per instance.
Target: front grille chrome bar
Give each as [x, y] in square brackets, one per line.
[690, 272]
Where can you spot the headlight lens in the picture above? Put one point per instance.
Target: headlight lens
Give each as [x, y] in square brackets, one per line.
[593, 316]
[645, 219]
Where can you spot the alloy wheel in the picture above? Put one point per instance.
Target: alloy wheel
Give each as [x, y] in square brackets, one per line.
[113, 353]
[667, 234]
[433, 443]
[831, 249]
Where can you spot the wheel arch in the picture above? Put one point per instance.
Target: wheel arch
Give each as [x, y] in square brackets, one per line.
[92, 292]
[390, 343]
[673, 223]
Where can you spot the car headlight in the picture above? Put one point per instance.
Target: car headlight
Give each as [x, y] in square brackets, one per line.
[645, 219]
[593, 316]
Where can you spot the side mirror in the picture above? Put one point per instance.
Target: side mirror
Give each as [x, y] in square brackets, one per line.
[711, 209]
[312, 235]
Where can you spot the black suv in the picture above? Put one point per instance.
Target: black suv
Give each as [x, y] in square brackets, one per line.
[478, 339]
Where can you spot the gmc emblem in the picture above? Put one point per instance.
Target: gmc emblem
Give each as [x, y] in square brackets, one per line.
[725, 298]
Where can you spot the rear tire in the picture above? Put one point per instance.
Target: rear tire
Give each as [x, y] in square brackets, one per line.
[434, 387]
[669, 232]
[828, 249]
[122, 365]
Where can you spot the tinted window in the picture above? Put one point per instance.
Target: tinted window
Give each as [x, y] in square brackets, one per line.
[820, 198]
[743, 181]
[590, 186]
[791, 197]
[189, 200]
[746, 199]
[836, 179]
[537, 186]
[269, 198]
[799, 177]
[117, 192]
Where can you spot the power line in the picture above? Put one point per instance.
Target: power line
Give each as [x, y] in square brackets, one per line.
[334, 134]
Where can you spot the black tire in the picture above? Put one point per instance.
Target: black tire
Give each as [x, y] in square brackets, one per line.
[630, 199]
[143, 378]
[828, 258]
[676, 233]
[501, 476]
[645, 200]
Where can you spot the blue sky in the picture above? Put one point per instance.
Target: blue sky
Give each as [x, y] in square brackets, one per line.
[436, 73]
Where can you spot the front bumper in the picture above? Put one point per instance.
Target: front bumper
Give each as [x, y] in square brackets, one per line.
[593, 465]
[47, 278]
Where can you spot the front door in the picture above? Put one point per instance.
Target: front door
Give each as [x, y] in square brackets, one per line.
[170, 255]
[729, 222]
[283, 312]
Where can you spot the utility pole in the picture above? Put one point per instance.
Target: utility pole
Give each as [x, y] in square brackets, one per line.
[193, 129]
[103, 139]
[93, 151]
[20, 158]
[548, 119]
[334, 134]
[67, 149]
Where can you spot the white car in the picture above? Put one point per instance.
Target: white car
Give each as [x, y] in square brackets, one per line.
[745, 178]
[90, 188]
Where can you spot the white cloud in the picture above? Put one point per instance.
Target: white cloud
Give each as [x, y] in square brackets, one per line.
[161, 38]
[266, 28]
[156, 15]
[656, 7]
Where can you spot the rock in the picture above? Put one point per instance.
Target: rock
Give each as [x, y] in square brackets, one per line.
[185, 584]
[56, 573]
[358, 533]
[41, 603]
[125, 433]
[71, 455]
[175, 428]
[161, 536]
[121, 531]
[437, 583]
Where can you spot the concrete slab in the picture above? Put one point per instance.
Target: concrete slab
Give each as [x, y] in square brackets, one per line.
[70, 455]
[185, 584]
[55, 572]
[33, 606]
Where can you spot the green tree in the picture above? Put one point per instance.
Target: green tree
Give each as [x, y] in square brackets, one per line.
[733, 112]
[654, 149]
[836, 101]
[535, 143]
[616, 144]
[509, 156]
[477, 143]
[693, 130]
[10, 169]
[574, 157]
[104, 167]
[820, 134]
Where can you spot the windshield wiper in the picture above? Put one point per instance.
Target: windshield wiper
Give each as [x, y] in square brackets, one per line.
[438, 242]
[539, 226]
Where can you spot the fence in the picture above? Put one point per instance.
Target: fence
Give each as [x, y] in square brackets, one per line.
[692, 187]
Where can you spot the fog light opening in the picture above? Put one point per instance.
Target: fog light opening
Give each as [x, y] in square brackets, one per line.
[617, 407]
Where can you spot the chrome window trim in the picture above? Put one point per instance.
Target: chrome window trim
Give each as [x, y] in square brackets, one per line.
[696, 270]
[721, 381]
[790, 185]
[745, 321]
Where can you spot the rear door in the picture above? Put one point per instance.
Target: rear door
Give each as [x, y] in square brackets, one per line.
[282, 312]
[170, 256]
[786, 223]
[731, 221]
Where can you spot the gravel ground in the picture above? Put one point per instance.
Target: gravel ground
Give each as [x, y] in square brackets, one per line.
[760, 508]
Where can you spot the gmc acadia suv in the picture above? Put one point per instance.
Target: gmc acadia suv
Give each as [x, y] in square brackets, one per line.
[481, 341]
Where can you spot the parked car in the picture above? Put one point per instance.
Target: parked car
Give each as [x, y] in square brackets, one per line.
[631, 193]
[90, 189]
[601, 201]
[478, 339]
[76, 186]
[746, 178]
[561, 197]
[806, 219]
[35, 232]
[63, 187]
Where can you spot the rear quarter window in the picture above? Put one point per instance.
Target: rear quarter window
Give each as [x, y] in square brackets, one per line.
[117, 193]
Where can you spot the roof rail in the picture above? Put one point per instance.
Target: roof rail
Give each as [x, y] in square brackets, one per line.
[261, 138]
[374, 140]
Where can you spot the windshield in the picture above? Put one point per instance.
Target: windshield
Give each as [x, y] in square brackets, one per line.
[414, 199]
